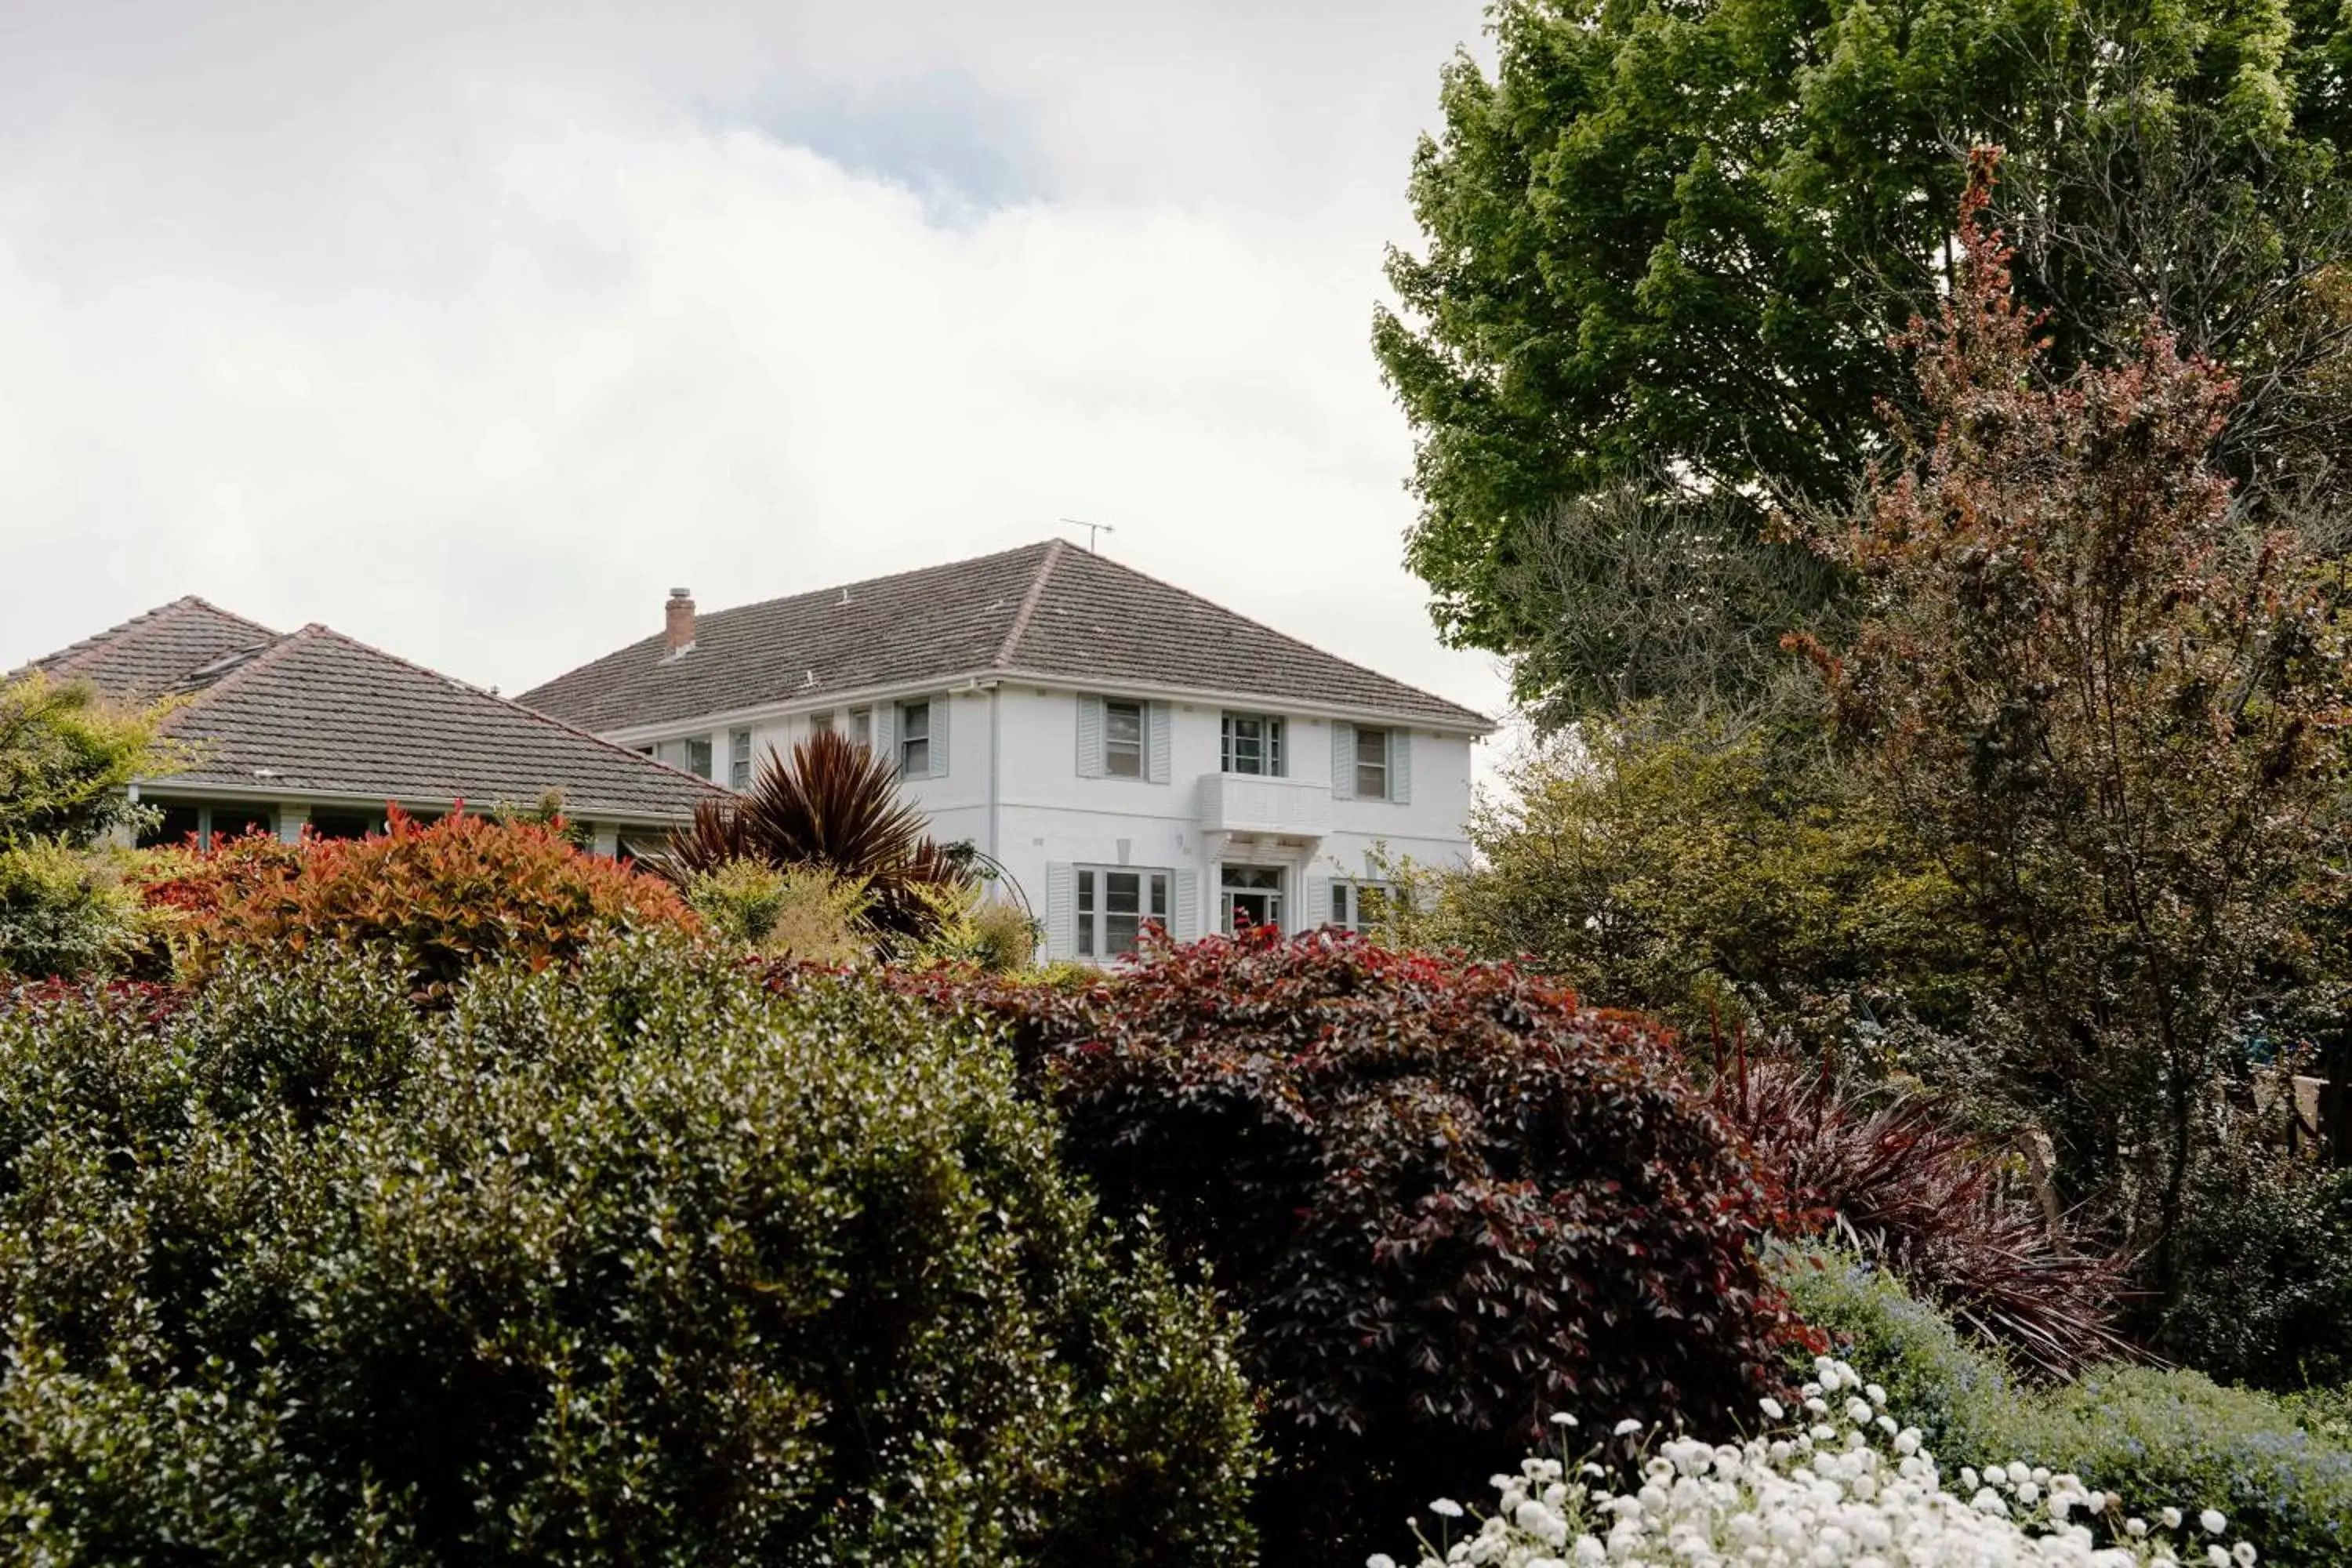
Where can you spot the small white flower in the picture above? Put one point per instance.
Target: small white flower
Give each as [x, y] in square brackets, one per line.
[2214, 1521]
[1874, 1394]
[2171, 1518]
[1379, 1560]
[2244, 1552]
[1773, 1409]
[1562, 1418]
[1446, 1508]
[2217, 1555]
[1628, 1426]
[2136, 1528]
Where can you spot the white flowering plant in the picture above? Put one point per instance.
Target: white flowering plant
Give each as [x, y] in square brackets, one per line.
[1844, 1486]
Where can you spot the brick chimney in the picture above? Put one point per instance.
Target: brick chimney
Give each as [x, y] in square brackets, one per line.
[677, 621]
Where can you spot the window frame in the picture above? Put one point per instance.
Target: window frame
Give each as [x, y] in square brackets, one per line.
[1386, 766]
[1350, 892]
[1139, 749]
[1274, 765]
[700, 768]
[861, 727]
[1090, 912]
[738, 759]
[906, 739]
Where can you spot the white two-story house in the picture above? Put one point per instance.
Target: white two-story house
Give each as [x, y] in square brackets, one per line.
[1126, 751]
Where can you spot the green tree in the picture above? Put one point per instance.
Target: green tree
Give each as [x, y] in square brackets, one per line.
[67, 756]
[1715, 879]
[2105, 702]
[1666, 243]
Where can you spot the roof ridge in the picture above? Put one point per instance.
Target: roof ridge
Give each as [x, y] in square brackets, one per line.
[1029, 601]
[487, 695]
[862, 583]
[1289, 638]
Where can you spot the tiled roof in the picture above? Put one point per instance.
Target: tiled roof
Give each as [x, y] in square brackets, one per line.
[147, 655]
[314, 712]
[1047, 610]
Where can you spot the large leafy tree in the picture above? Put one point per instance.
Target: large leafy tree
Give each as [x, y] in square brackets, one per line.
[2107, 701]
[1666, 242]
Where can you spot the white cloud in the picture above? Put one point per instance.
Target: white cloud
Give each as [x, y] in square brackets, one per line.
[472, 345]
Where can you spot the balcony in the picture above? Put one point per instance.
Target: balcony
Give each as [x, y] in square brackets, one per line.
[1264, 807]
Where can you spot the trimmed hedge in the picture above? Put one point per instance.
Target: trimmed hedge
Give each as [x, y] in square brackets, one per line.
[2157, 1437]
[1446, 1200]
[639, 1264]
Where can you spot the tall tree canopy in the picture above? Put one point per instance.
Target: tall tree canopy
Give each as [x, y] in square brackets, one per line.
[1667, 241]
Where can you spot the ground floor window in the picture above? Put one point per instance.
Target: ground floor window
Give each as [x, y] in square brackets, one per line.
[333, 823]
[1360, 907]
[1113, 904]
[207, 823]
[1249, 896]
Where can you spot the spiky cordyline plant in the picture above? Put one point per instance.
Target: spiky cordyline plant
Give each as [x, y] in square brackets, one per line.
[1898, 1178]
[836, 805]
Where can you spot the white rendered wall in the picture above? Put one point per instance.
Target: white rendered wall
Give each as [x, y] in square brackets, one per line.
[1047, 813]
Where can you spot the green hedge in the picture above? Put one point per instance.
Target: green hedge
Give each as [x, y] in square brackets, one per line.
[2157, 1437]
[642, 1263]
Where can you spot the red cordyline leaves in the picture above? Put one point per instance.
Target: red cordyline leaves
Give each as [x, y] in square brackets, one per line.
[446, 895]
[1446, 1201]
[835, 806]
[1896, 1177]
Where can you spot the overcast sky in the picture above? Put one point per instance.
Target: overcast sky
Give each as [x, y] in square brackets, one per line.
[469, 328]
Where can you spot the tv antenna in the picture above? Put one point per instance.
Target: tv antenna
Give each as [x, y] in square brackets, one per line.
[1092, 529]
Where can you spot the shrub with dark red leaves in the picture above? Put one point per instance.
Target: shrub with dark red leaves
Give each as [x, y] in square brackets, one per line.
[1446, 1200]
[442, 896]
[1897, 1176]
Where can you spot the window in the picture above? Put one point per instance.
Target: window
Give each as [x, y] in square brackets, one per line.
[330, 823]
[1250, 896]
[698, 756]
[1252, 745]
[861, 726]
[738, 759]
[1372, 764]
[177, 824]
[1112, 907]
[1123, 740]
[821, 723]
[1360, 907]
[914, 740]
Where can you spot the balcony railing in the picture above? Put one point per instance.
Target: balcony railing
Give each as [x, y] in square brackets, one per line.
[1239, 803]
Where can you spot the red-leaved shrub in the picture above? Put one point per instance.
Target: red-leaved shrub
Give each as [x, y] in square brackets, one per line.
[1446, 1201]
[444, 896]
[1898, 1178]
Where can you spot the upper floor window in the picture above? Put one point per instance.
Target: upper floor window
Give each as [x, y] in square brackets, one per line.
[698, 756]
[1113, 904]
[738, 759]
[821, 723]
[1252, 745]
[915, 738]
[861, 726]
[1123, 740]
[1371, 764]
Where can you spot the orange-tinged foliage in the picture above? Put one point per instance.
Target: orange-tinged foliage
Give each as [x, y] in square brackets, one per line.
[444, 896]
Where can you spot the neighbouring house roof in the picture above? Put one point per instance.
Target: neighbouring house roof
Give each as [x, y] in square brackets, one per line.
[314, 712]
[1049, 611]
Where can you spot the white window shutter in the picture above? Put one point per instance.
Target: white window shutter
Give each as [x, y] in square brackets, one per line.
[1318, 912]
[939, 745]
[1343, 761]
[1090, 737]
[1185, 906]
[886, 731]
[1156, 763]
[1061, 911]
[1401, 766]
